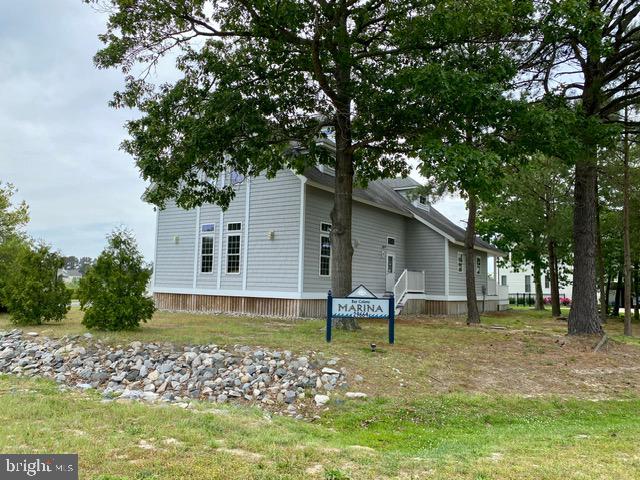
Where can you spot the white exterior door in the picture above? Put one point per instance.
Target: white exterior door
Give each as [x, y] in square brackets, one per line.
[390, 271]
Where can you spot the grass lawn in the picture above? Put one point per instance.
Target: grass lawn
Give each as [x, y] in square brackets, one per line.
[514, 398]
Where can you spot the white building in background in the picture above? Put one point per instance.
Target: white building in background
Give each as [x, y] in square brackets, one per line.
[523, 281]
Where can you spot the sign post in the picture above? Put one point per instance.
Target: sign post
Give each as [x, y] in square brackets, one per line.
[329, 315]
[360, 303]
[392, 320]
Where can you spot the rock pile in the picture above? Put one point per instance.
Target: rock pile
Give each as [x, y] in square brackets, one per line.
[163, 372]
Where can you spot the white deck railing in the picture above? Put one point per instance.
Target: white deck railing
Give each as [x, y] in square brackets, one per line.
[409, 282]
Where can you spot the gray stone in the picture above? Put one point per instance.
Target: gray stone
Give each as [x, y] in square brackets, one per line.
[222, 398]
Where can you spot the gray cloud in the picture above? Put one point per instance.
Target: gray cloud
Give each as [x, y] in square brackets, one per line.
[58, 138]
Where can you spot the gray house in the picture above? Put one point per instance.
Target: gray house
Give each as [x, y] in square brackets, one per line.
[269, 252]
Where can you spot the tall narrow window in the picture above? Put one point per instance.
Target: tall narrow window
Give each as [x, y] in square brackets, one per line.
[527, 283]
[233, 254]
[547, 283]
[460, 262]
[503, 281]
[478, 265]
[325, 250]
[206, 254]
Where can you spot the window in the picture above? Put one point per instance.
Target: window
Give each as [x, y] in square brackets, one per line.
[503, 280]
[478, 265]
[390, 265]
[460, 262]
[547, 283]
[233, 254]
[527, 283]
[207, 227]
[234, 227]
[422, 199]
[325, 249]
[235, 177]
[391, 241]
[206, 254]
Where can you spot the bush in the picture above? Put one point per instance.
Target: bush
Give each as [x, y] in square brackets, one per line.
[33, 292]
[112, 292]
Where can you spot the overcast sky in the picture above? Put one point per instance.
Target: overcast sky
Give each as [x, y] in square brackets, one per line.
[59, 141]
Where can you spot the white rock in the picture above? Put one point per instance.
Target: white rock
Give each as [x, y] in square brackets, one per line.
[321, 399]
[33, 334]
[355, 395]
[330, 371]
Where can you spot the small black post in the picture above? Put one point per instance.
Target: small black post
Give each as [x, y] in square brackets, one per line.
[392, 315]
[329, 315]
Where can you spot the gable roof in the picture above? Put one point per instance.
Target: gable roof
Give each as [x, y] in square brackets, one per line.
[383, 194]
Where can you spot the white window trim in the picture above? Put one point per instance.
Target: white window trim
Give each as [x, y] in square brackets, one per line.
[328, 235]
[213, 252]
[394, 241]
[211, 232]
[460, 266]
[236, 233]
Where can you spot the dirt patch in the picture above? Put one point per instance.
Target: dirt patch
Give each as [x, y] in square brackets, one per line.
[528, 358]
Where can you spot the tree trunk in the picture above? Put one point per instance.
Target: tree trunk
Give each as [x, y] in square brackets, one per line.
[341, 246]
[583, 317]
[636, 293]
[473, 316]
[537, 278]
[626, 237]
[555, 283]
[607, 294]
[604, 301]
[616, 303]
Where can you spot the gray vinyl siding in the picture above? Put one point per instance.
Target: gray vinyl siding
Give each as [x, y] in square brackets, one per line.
[174, 260]
[272, 264]
[275, 206]
[371, 227]
[426, 251]
[457, 283]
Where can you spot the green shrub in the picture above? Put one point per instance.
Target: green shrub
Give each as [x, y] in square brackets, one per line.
[33, 292]
[112, 293]
[9, 249]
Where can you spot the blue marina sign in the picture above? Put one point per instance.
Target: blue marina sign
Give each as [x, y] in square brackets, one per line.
[360, 303]
[360, 307]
